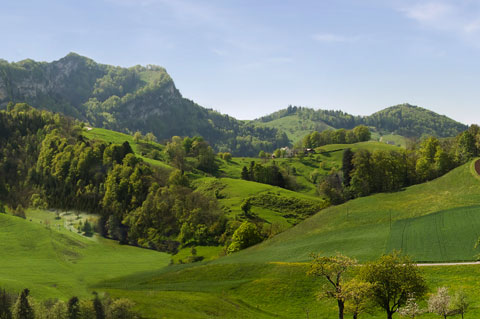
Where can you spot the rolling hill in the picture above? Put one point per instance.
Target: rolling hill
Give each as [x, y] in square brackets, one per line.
[404, 120]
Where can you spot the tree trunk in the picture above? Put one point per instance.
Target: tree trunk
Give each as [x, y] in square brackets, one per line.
[390, 314]
[355, 316]
[340, 309]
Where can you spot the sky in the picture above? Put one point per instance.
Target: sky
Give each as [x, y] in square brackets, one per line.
[249, 58]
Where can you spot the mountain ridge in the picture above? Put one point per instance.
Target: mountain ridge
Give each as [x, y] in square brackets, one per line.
[145, 99]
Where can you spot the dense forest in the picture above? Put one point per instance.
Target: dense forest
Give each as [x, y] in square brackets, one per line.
[365, 172]
[132, 99]
[46, 162]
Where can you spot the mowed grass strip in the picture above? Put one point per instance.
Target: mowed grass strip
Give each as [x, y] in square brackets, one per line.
[443, 236]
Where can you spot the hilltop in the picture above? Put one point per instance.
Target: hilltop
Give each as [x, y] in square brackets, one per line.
[404, 119]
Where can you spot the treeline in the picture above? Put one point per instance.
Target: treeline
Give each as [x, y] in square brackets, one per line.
[24, 306]
[316, 139]
[364, 172]
[46, 162]
[392, 283]
[269, 174]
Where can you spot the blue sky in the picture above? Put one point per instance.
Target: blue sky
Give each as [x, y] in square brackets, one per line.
[250, 58]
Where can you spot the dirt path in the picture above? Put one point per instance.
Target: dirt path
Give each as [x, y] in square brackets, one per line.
[450, 264]
[477, 166]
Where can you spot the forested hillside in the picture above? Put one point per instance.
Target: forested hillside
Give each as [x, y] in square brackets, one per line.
[132, 99]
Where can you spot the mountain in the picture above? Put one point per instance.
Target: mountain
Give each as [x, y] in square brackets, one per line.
[145, 99]
[127, 100]
[404, 119]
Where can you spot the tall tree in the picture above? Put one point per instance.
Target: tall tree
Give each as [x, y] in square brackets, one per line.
[73, 308]
[22, 308]
[98, 307]
[347, 166]
[5, 304]
[332, 269]
[394, 279]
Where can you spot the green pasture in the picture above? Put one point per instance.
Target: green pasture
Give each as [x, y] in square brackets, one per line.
[54, 261]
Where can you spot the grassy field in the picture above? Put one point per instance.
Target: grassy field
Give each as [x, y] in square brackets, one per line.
[260, 290]
[295, 127]
[54, 261]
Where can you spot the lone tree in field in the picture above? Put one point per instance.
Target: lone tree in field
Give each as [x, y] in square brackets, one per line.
[394, 279]
[460, 302]
[332, 269]
[440, 303]
[411, 309]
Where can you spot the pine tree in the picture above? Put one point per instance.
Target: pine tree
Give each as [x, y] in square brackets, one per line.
[98, 307]
[22, 308]
[73, 308]
[5, 304]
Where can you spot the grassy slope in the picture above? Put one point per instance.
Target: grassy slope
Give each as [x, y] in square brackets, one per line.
[260, 290]
[295, 127]
[118, 138]
[234, 191]
[55, 262]
[361, 227]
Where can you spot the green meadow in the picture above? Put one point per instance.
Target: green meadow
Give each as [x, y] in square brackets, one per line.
[55, 261]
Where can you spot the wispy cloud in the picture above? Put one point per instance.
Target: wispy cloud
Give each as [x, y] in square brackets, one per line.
[431, 12]
[334, 38]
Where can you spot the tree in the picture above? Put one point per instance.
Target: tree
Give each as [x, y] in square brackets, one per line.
[227, 156]
[440, 303]
[121, 309]
[246, 235]
[59, 310]
[411, 309]
[332, 269]
[150, 137]
[357, 294]
[2, 208]
[22, 308]
[73, 308]
[87, 229]
[347, 166]
[395, 278]
[460, 302]
[246, 208]
[98, 307]
[5, 304]
[137, 136]
[262, 155]
[245, 174]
